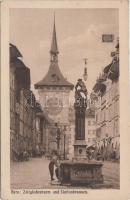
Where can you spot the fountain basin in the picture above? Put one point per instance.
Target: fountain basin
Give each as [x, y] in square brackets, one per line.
[81, 172]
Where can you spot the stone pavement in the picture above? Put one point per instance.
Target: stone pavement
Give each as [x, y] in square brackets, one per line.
[30, 174]
[111, 172]
[34, 174]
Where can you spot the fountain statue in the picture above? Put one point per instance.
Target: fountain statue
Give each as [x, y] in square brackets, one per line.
[80, 170]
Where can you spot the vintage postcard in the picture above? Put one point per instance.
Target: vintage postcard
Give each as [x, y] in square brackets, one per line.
[64, 100]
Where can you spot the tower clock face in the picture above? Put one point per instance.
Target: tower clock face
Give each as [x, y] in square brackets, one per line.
[54, 105]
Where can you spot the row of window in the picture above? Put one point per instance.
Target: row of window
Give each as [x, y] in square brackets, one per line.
[110, 129]
[55, 88]
[108, 114]
[91, 132]
[92, 140]
[91, 122]
[109, 96]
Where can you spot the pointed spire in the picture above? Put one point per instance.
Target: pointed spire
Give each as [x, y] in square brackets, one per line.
[54, 48]
[54, 77]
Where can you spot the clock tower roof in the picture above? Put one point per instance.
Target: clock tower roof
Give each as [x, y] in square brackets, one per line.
[54, 76]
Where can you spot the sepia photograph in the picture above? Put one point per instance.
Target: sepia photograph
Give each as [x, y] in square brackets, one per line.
[65, 100]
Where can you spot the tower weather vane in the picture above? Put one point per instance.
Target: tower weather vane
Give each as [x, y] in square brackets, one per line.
[85, 75]
[85, 60]
[81, 90]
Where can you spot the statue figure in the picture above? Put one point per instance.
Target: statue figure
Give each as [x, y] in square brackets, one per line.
[80, 109]
[80, 94]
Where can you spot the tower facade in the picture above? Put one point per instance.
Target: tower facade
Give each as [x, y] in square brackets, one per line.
[54, 92]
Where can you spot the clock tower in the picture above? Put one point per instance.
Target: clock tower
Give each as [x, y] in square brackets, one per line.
[54, 92]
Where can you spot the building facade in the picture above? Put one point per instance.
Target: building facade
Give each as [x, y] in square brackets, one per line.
[26, 117]
[107, 115]
[90, 127]
[54, 92]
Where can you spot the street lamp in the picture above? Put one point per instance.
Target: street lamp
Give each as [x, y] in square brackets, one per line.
[64, 141]
[58, 133]
[85, 75]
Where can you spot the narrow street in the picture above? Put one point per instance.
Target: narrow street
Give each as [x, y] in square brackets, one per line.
[34, 174]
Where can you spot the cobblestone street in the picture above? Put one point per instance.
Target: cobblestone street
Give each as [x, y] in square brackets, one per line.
[34, 174]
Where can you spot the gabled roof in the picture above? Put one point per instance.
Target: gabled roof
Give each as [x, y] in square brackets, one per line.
[53, 77]
[14, 52]
[100, 85]
[107, 68]
[114, 71]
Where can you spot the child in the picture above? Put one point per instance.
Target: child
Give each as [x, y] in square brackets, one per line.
[51, 167]
[57, 170]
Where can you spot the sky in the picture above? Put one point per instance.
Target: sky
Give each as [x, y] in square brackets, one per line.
[79, 33]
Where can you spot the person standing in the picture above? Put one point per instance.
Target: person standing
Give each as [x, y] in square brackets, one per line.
[57, 170]
[51, 167]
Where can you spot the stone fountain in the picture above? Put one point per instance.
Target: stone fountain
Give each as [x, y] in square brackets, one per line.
[80, 170]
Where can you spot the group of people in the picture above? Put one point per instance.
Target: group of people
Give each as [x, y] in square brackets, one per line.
[104, 153]
[25, 155]
[21, 156]
[54, 163]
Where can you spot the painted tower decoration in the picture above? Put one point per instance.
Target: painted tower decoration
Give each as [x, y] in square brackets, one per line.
[54, 89]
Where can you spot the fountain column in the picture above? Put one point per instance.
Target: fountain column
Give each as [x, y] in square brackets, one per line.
[80, 106]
